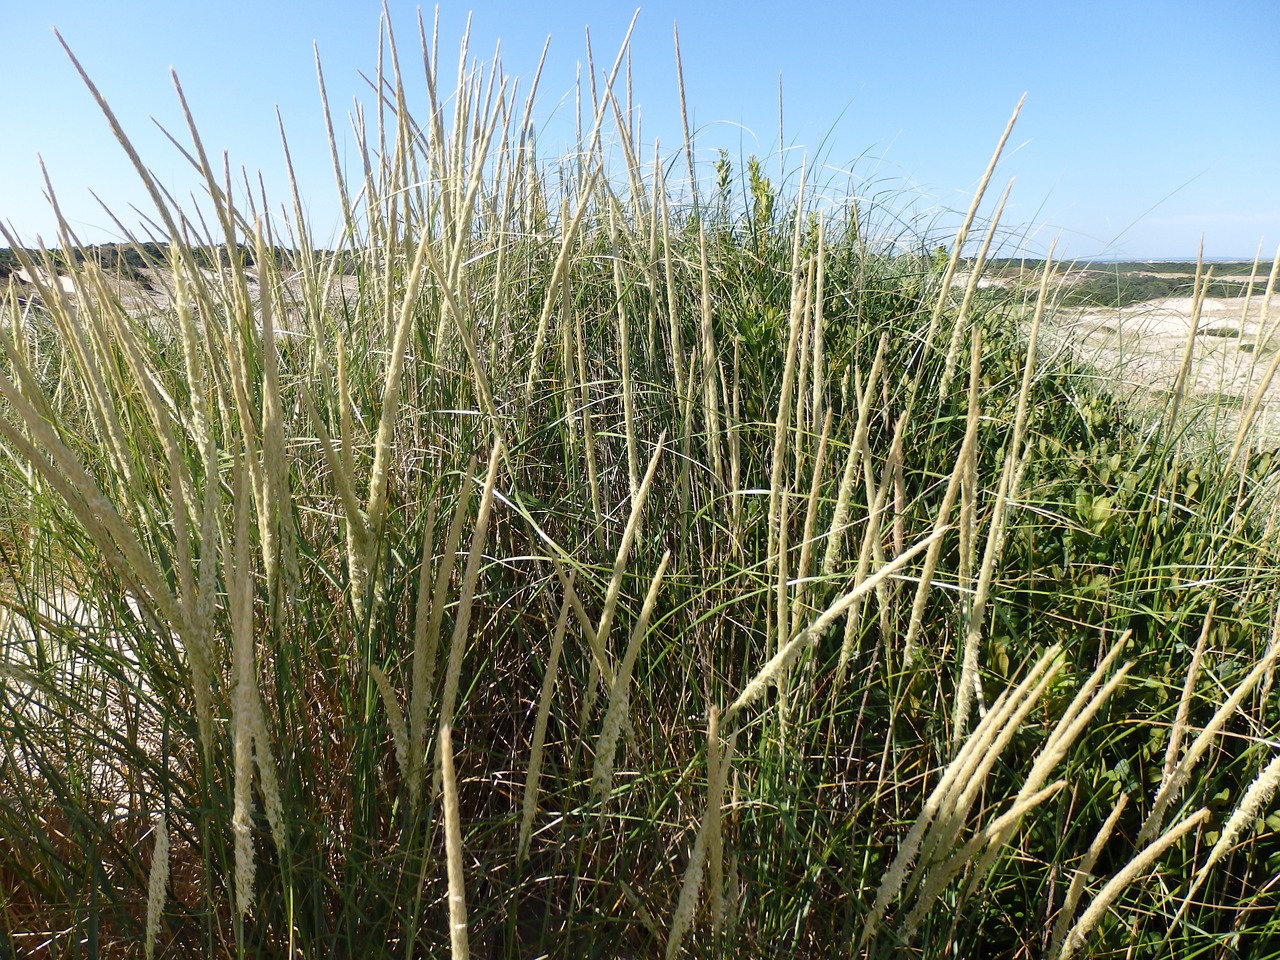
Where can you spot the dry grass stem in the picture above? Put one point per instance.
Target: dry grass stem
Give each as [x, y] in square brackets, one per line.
[1078, 935]
[459, 948]
[1075, 890]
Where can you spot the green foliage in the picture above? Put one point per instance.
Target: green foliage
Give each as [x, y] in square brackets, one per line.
[222, 450]
[1115, 287]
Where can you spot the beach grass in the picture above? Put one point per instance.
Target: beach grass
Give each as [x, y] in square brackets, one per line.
[582, 557]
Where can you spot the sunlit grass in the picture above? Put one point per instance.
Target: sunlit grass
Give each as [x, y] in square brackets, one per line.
[573, 562]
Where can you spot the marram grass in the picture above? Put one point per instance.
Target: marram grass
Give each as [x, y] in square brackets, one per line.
[579, 557]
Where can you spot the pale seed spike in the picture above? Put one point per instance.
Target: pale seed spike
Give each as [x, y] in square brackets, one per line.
[1075, 889]
[118, 543]
[819, 328]
[533, 771]
[599, 655]
[395, 718]
[957, 805]
[616, 713]
[916, 622]
[624, 358]
[459, 948]
[143, 172]
[961, 236]
[970, 289]
[462, 623]
[1250, 808]
[1054, 751]
[624, 548]
[839, 519]
[1184, 704]
[238, 576]
[275, 466]
[1007, 490]
[810, 521]
[338, 464]
[157, 883]
[954, 776]
[1170, 790]
[784, 657]
[691, 886]
[710, 368]
[1251, 414]
[1199, 291]
[422, 670]
[783, 420]
[990, 837]
[1137, 867]
[871, 538]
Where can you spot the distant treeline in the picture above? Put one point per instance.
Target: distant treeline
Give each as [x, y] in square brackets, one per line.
[1119, 289]
[1123, 284]
[1179, 267]
[129, 260]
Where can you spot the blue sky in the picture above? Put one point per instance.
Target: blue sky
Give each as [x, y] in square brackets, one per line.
[1146, 123]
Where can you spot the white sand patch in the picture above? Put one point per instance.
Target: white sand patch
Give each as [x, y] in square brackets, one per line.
[65, 670]
[1141, 347]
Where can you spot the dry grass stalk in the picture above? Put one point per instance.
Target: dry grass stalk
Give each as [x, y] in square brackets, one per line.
[376, 504]
[715, 840]
[459, 948]
[1015, 459]
[341, 465]
[819, 351]
[616, 713]
[1246, 813]
[717, 774]
[238, 577]
[840, 516]
[423, 662]
[810, 520]
[601, 659]
[40, 444]
[556, 288]
[1075, 889]
[955, 779]
[1135, 868]
[588, 428]
[624, 553]
[395, 719]
[157, 883]
[989, 837]
[1184, 703]
[1088, 700]
[962, 235]
[710, 367]
[783, 659]
[533, 770]
[954, 810]
[1251, 413]
[1200, 290]
[278, 516]
[870, 541]
[780, 624]
[970, 289]
[624, 358]
[1172, 788]
[916, 622]
[781, 431]
[800, 430]
[462, 623]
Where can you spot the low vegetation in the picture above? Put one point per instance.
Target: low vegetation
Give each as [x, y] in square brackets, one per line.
[576, 563]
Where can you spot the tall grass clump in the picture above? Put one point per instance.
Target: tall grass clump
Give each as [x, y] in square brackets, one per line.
[577, 559]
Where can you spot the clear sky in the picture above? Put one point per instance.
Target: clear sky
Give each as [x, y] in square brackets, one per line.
[1146, 123]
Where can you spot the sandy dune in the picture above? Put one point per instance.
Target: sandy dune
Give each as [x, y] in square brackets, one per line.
[1142, 347]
